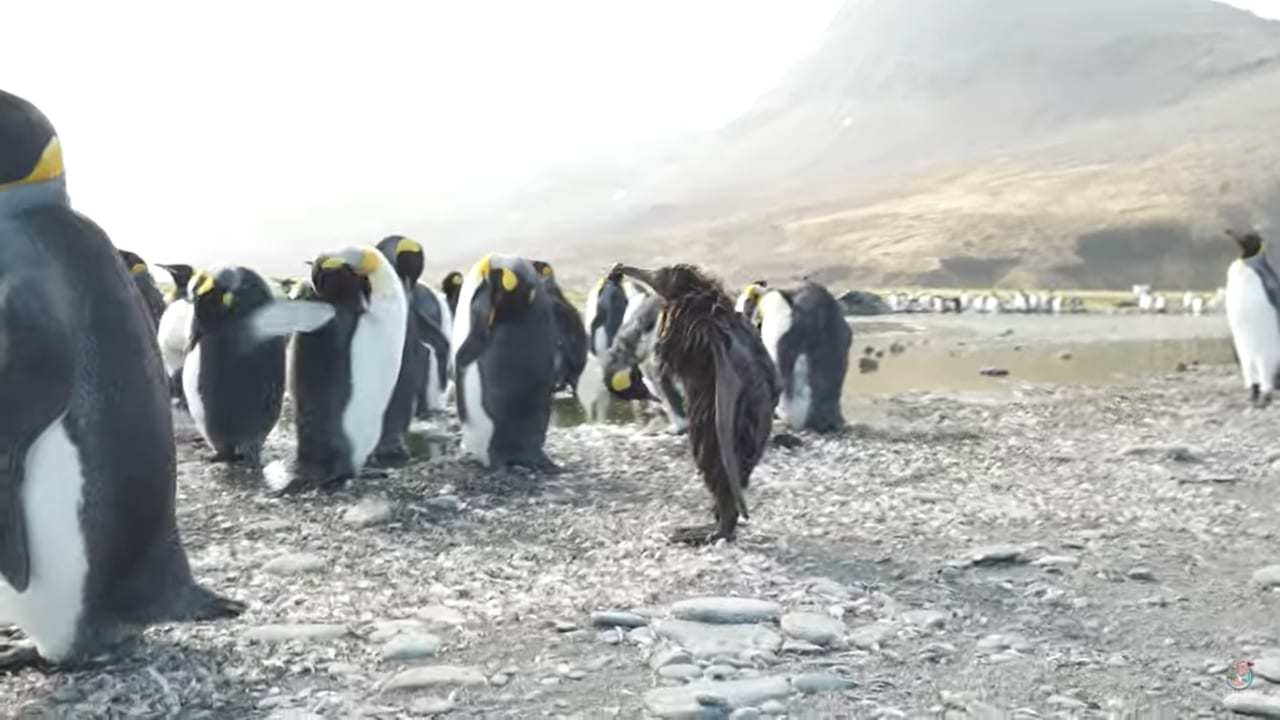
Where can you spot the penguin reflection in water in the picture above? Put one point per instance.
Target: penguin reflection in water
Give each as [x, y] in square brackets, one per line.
[234, 386]
[89, 544]
[808, 340]
[1253, 312]
[504, 347]
[730, 385]
[345, 362]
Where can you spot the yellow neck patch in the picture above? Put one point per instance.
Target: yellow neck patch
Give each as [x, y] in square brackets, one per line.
[48, 167]
[509, 280]
[482, 267]
[547, 271]
[407, 245]
[228, 299]
[369, 261]
[205, 285]
[621, 380]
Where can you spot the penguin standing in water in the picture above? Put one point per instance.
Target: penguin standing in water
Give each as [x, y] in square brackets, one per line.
[234, 386]
[631, 367]
[415, 363]
[174, 333]
[808, 340]
[504, 363]
[345, 361]
[452, 287]
[152, 298]
[89, 544]
[571, 334]
[1253, 312]
[729, 381]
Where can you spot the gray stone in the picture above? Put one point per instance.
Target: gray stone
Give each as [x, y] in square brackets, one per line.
[500, 679]
[431, 705]
[447, 503]
[800, 647]
[1252, 702]
[1057, 561]
[1267, 667]
[669, 656]
[1066, 702]
[812, 627]
[414, 646]
[295, 564]
[681, 671]
[746, 713]
[887, 713]
[1142, 574]
[868, 636]
[615, 618]
[1176, 453]
[719, 672]
[814, 683]
[995, 554]
[707, 640]
[305, 632]
[773, 707]
[642, 636]
[1266, 577]
[368, 512]
[726, 610]
[564, 626]
[935, 619]
[436, 676]
[387, 629]
[712, 699]
[292, 714]
[442, 615]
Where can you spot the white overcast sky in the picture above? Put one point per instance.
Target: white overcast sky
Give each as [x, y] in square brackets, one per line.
[185, 126]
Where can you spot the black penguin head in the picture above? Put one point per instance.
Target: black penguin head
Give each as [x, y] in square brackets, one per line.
[546, 273]
[32, 152]
[1250, 243]
[135, 264]
[181, 275]
[452, 287]
[406, 255]
[343, 279]
[510, 288]
[628, 384]
[224, 296]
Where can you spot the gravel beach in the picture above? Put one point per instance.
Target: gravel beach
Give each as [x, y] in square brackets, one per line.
[1059, 552]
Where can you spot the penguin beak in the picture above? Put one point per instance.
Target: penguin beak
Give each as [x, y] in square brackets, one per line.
[644, 276]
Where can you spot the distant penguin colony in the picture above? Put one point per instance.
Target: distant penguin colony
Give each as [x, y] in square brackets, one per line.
[730, 383]
[1253, 312]
[233, 385]
[808, 340]
[504, 363]
[89, 546]
[571, 336]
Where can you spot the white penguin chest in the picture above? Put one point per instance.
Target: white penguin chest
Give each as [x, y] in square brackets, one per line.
[376, 349]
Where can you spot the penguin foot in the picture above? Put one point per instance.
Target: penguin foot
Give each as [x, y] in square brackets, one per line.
[219, 608]
[786, 441]
[16, 657]
[366, 474]
[699, 535]
[390, 457]
[545, 466]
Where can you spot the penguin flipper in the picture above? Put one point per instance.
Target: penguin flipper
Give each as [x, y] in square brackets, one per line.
[281, 318]
[729, 387]
[36, 371]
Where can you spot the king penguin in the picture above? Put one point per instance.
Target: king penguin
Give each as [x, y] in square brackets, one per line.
[452, 287]
[504, 363]
[571, 334]
[175, 328]
[407, 258]
[1253, 312]
[152, 298]
[234, 386]
[607, 309]
[89, 544]
[435, 324]
[345, 362]
[808, 340]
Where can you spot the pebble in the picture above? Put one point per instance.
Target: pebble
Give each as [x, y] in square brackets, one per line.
[706, 640]
[387, 629]
[368, 512]
[814, 683]
[868, 636]
[746, 713]
[994, 372]
[442, 615]
[1268, 576]
[1050, 562]
[1142, 574]
[1267, 667]
[669, 656]
[1252, 702]
[612, 636]
[436, 675]
[448, 503]
[432, 705]
[412, 646]
[726, 610]
[642, 636]
[926, 618]
[800, 647]
[815, 628]
[1065, 355]
[1176, 453]
[615, 618]
[681, 671]
[295, 564]
[564, 626]
[341, 668]
[720, 672]
[994, 554]
[773, 707]
[887, 713]
[692, 701]
[500, 680]
[1066, 702]
[307, 632]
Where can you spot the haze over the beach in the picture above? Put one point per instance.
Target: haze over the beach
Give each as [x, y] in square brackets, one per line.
[225, 133]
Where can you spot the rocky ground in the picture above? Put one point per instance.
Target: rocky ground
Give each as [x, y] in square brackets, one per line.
[1062, 552]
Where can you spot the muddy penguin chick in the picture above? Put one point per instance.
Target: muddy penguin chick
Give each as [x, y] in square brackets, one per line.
[730, 385]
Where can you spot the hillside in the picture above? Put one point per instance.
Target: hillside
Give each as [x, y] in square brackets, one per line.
[973, 142]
